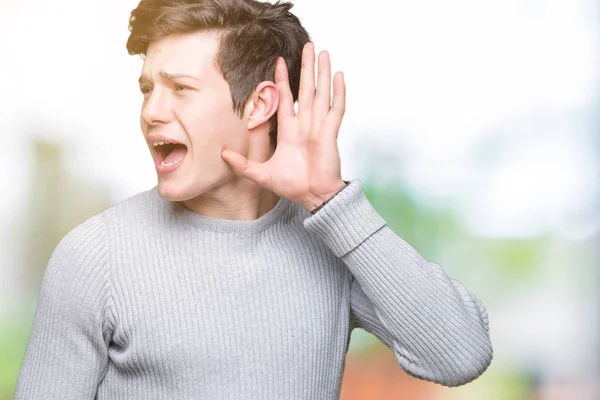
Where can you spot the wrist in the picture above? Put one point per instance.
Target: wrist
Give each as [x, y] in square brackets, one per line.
[319, 201]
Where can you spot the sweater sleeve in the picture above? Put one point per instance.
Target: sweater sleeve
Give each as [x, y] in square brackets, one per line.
[66, 356]
[438, 330]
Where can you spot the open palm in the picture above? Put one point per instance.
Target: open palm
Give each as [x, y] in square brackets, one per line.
[305, 167]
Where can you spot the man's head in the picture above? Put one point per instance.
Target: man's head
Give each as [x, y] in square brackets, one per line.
[227, 51]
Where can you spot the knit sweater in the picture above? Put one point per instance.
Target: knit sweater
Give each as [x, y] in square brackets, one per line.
[149, 300]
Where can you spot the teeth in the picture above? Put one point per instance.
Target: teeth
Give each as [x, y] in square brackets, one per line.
[155, 144]
[168, 164]
[160, 143]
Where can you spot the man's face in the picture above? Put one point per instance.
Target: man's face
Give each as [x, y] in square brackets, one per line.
[186, 99]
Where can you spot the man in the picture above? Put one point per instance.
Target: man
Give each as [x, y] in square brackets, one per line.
[243, 272]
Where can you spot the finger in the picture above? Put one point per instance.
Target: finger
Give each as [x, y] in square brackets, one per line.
[323, 96]
[306, 93]
[282, 81]
[256, 172]
[338, 107]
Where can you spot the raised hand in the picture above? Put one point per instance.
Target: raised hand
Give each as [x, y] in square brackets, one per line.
[305, 167]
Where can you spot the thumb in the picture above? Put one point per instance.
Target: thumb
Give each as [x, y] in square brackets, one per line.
[235, 160]
[243, 167]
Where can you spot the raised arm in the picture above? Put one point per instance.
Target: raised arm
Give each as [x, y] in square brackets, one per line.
[438, 330]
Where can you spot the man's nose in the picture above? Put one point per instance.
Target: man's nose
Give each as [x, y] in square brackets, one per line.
[157, 108]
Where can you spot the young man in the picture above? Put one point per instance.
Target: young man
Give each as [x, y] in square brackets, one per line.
[243, 272]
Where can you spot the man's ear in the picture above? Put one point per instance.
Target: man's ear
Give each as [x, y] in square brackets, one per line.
[263, 104]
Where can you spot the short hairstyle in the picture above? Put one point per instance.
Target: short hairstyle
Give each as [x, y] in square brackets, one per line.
[252, 35]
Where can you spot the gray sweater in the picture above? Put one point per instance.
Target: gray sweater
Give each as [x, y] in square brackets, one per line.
[149, 300]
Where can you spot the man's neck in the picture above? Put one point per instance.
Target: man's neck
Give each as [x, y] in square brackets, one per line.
[245, 205]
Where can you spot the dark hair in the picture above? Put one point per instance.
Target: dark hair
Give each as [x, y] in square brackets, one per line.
[252, 35]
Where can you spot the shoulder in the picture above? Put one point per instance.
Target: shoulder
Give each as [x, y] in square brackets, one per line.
[79, 257]
[84, 239]
[77, 277]
[135, 209]
[85, 247]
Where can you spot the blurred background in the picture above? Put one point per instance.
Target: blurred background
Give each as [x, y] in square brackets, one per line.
[474, 126]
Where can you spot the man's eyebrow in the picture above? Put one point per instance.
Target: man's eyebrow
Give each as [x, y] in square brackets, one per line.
[167, 76]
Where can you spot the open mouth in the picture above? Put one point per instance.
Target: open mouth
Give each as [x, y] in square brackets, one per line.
[170, 153]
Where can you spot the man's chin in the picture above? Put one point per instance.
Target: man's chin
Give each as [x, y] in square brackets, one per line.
[174, 191]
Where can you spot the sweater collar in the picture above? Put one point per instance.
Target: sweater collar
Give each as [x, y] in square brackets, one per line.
[224, 225]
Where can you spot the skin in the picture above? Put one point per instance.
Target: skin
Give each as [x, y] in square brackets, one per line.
[230, 170]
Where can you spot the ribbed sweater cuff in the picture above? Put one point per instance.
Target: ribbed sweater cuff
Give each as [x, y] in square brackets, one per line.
[347, 220]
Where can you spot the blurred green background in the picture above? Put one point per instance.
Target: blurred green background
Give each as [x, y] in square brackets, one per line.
[474, 127]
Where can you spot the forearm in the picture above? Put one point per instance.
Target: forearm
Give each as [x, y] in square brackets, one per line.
[439, 330]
